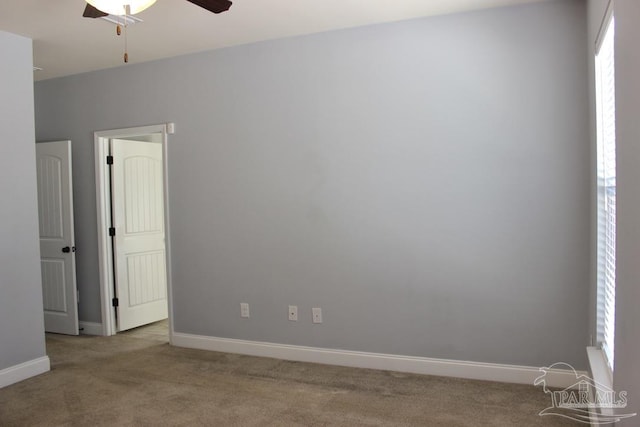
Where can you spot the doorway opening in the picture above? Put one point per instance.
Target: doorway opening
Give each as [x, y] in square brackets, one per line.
[133, 227]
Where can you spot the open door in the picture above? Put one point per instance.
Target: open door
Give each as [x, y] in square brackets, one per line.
[139, 242]
[57, 250]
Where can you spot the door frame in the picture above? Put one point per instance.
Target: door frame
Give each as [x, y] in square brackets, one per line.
[103, 202]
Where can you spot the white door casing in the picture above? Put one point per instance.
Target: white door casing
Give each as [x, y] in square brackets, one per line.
[57, 242]
[139, 243]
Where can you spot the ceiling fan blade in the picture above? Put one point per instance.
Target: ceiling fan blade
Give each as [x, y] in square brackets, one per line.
[215, 6]
[92, 12]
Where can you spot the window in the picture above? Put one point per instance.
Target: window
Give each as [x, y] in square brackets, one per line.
[606, 175]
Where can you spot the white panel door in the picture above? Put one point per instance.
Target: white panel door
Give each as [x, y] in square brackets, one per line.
[139, 243]
[57, 250]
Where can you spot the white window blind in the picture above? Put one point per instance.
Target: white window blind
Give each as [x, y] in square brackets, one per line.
[606, 173]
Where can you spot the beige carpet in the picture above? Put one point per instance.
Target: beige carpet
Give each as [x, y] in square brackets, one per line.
[136, 378]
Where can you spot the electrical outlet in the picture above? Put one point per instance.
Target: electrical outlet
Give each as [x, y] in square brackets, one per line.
[317, 315]
[293, 313]
[244, 309]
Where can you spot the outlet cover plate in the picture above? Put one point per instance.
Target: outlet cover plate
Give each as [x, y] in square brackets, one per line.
[244, 309]
[317, 315]
[293, 313]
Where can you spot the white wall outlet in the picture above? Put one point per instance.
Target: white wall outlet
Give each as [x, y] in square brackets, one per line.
[317, 315]
[293, 313]
[244, 309]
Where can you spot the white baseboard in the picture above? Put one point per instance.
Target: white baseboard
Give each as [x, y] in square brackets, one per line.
[91, 328]
[24, 370]
[388, 362]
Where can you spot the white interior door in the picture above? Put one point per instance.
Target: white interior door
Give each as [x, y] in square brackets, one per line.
[57, 250]
[139, 242]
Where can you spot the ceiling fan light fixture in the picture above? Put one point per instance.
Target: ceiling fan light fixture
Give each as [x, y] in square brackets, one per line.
[119, 7]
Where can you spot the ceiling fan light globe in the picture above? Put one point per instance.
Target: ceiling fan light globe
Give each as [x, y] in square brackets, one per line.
[118, 7]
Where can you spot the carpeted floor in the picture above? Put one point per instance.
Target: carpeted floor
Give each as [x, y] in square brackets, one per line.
[136, 378]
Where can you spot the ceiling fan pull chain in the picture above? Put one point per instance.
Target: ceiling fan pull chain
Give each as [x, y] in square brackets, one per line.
[126, 55]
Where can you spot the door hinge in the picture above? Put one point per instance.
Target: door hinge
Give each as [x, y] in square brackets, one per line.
[114, 302]
[112, 231]
[109, 160]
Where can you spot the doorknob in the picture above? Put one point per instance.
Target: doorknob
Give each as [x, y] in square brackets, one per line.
[68, 249]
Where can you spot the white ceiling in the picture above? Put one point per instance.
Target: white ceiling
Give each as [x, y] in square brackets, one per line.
[66, 43]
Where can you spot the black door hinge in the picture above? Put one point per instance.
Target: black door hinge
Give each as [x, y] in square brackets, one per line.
[112, 231]
[114, 302]
[109, 160]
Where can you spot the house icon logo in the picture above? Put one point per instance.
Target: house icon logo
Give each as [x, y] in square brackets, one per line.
[586, 400]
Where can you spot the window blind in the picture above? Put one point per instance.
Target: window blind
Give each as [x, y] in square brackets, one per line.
[606, 175]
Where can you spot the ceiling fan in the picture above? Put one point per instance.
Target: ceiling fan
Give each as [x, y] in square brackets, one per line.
[102, 8]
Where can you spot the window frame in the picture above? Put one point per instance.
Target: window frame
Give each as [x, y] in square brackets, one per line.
[606, 188]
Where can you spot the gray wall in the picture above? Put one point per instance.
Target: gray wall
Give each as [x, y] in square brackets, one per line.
[426, 183]
[21, 315]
